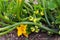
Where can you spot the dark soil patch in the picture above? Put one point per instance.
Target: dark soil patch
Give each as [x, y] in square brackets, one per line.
[33, 36]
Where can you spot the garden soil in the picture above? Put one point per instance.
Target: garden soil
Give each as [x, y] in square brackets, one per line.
[33, 36]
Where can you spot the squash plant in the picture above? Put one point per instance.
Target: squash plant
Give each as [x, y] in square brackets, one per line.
[36, 15]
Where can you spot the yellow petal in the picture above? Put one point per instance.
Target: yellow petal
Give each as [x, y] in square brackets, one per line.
[19, 31]
[23, 28]
[24, 31]
[26, 35]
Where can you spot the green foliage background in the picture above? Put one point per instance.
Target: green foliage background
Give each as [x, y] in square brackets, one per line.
[13, 13]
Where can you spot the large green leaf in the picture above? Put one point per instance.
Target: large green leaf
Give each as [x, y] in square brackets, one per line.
[51, 5]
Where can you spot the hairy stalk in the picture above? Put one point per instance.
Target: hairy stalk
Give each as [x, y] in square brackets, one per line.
[16, 24]
[5, 32]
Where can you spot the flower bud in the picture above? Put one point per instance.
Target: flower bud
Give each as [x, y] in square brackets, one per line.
[6, 18]
[42, 13]
[31, 18]
[37, 30]
[36, 12]
[59, 32]
[32, 29]
[36, 27]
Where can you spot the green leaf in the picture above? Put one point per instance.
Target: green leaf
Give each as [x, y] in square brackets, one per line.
[58, 2]
[51, 5]
[57, 20]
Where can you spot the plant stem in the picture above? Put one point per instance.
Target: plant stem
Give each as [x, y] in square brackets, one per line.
[16, 24]
[3, 33]
[43, 2]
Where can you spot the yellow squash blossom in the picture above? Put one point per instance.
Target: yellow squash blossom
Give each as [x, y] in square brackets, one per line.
[22, 30]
